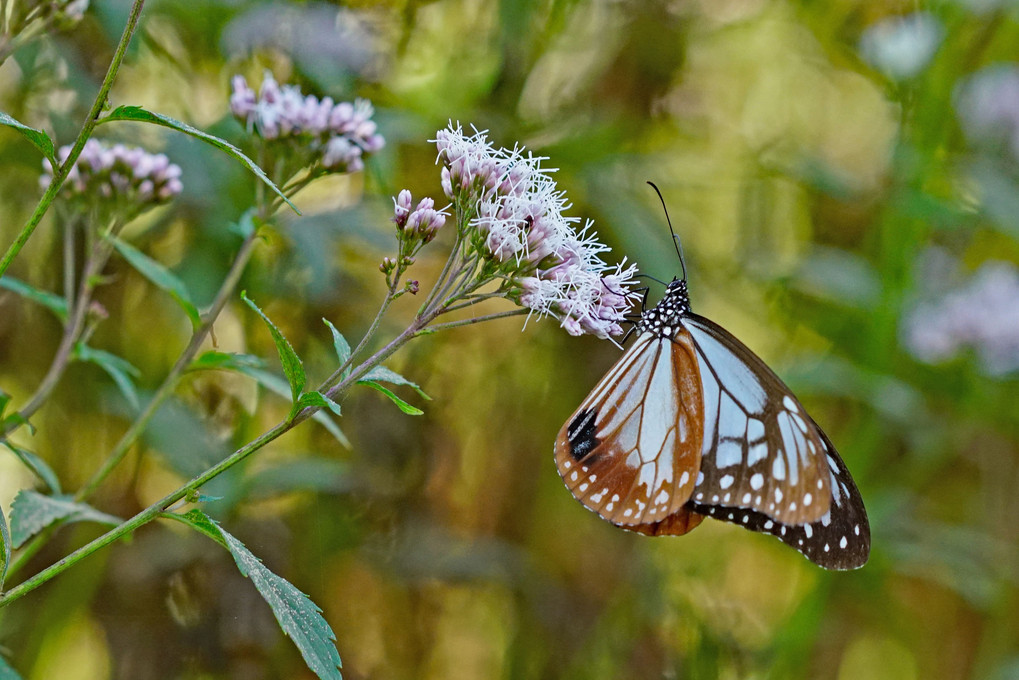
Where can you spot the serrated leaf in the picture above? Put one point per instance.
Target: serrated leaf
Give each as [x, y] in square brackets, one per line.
[318, 399]
[50, 301]
[6, 672]
[279, 386]
[341, 346]
[383, 374]
[401, 404]
[138, 114]
[159, 276]
[116, 367]
[5, 553]
[37, 465]
[292, 366]
[225, 361]
[32, 512]
[297, 615]
[39, 139]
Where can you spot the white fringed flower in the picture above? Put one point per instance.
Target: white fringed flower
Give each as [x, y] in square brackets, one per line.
[514, 218]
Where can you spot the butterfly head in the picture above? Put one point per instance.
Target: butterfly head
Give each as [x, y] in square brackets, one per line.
[665, 318]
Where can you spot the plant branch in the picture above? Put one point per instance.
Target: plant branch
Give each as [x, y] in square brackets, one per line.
[170, 382]
[60, 174]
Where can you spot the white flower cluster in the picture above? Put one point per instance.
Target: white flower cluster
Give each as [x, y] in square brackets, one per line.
[988, 106]
[340, 134]
[982, 315]
[116, 173]
[517, 220]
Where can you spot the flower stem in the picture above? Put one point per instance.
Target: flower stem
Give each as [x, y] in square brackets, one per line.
[143, 517]
[467, 322]
[170, 382]
[60, 174]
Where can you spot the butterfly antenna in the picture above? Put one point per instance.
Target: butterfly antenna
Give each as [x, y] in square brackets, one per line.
[675, 239]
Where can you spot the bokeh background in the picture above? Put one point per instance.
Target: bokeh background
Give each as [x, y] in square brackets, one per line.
[844, 177]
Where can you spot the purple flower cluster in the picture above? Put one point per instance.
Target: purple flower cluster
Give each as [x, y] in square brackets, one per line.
[515, 219]
[420, 223]
[119, 174]
[982, 315]
[340, 134]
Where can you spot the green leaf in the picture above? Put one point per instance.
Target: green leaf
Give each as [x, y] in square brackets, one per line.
[32, 512]
[341, 346]
[117, 368]
[6, 672]
[39, 139]
[138, 114]
[318, 399]
[5, 556]
[225, 361]
[403, 406]
[292, 366]
[383, 374]
[279, 386]
[37, 465]
[19, 420]
[297, 615]
[160, 276]
[50, 301]
[5, 399]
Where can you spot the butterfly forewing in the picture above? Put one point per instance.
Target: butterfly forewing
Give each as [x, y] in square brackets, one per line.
[632, 450]
[840, 539]
[761, 449]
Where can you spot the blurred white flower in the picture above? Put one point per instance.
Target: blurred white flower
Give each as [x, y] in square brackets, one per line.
[901, 47]
[125, 176]
[988, 106]
[338, 136]
[981, 315]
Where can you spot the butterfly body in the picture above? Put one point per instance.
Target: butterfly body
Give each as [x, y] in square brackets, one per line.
[690, 423]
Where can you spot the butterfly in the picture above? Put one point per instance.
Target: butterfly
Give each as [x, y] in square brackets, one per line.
[689, 423]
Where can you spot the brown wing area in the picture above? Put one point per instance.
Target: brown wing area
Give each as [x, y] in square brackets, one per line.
[632, 451]
[762, 451]
[676, 524]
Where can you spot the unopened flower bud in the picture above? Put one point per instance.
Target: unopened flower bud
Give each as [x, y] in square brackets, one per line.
[413, 287]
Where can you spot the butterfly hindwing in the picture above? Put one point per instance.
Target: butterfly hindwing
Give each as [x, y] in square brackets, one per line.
[840, 539]
[632, 450]
[761, 449]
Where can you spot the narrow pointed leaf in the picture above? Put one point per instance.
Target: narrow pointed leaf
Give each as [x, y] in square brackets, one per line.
[292, 366]
[401, 404]
[341, 346]
[279, 386]
[318, 399]
[297, 615]
[50, 301]
[32, 512]
[225, 361]
[40, 139]
[5, 553]
[383, 374]
[161, 277]
[138, 114]
[117, 368]
[37, 465]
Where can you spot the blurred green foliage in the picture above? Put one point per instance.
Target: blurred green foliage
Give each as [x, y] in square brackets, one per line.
[809, 186]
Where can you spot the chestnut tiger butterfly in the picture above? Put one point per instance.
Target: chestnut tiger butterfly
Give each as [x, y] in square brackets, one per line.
[689, 424]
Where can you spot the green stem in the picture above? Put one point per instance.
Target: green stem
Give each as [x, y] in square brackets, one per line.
[143, 517]
[467, 322]
[170, 382]
[60, 174]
